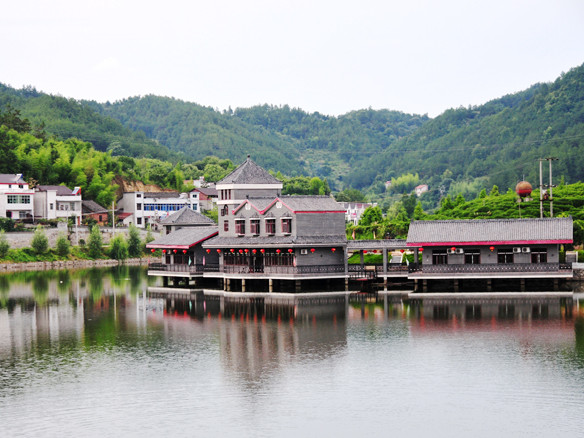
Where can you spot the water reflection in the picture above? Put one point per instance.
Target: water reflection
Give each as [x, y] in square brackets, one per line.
[94, 350]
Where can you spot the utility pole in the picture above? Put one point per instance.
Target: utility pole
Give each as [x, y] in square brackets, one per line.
[550, 186]
[113, 219]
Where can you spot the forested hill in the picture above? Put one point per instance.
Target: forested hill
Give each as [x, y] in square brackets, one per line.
[68, 118]
[497, 143]
[279, 138]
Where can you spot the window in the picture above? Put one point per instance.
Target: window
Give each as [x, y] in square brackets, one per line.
[138, 195]
[139, 220]
[100, 218]
[538, 255]
[270, 226]
[505, 256]
[472, 256]
[240, 226]
[254, 226]
[286, 225]
[225, 211]
[439, 257]
[138, 206]
[225, 225]
[51, 206]
[19, 199]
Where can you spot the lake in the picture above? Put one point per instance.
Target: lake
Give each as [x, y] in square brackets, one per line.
[93, 353]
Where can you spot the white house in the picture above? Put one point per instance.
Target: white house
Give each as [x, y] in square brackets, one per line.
[354, 210]
[151, 207]
[53, 202]
[16, 198]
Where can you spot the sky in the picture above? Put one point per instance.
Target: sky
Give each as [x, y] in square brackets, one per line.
[415, 56]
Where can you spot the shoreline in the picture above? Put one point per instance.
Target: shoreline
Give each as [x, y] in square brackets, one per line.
[70, 264]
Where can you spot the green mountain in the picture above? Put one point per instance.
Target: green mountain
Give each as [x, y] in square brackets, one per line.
[68, 118]
[498, 143]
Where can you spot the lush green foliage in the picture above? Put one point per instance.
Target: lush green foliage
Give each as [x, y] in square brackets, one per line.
[4, 245]
[40, 242]
[118, 248]
[135, 247]
[63, 245]
[94, 246]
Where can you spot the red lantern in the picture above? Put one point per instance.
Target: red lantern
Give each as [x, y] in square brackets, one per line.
[232, 250]
[312, 250]
[402, 250]
[421, 249]
[364, 251]
[254, 251]
[218, 251]
[152, 250]
[277, 251]
[185, 251]
[290, 250]
[208, 250]
[163, 251]
[492, 248]
[453, 248]
[262, 250]
[174, 250]
[241, 251]
[333, 249]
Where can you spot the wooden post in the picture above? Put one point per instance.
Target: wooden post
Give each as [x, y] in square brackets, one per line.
[522, 282]
[456, 288]
[489, 285]
[270, 285]
[424, 285]
[297, 286]
[243, 284]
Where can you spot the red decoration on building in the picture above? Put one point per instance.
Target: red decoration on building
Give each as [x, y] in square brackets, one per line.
[232, 250]
[492, 248]
[277, 251]
[163, 251]
[312, 249]
[218, 251]
[254, 251]
[333, 249]
[402, 250]
[185, 251]
[262, 250]
[290, 250]
[421, 249]
[174, 250]
[152, 250]
[246, 250]
[208, 250]
[241, 251]
[364, 251]
[453, 248]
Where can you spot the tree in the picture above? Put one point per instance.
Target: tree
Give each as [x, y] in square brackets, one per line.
[118, 248]
[495, 191]
[4, 245]
[63, 245]
[134, 242]
[350, 195]
[370, 216]
[40, 242]
[95, 243]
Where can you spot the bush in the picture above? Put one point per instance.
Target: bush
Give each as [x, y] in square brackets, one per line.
[4, 245]
[40, 243]
[134, 242]
[118, 248]
[6, 224]
[95, 243]
[63, 246]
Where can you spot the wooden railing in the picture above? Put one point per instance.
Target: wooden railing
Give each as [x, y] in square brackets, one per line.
[191, 269]
[490, 268]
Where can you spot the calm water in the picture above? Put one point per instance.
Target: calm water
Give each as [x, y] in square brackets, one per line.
[91, 353]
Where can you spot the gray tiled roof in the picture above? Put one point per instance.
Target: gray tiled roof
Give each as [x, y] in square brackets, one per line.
[161, 195]
[61, 190]
[300, 203]
[272, 241]
[207, 191]
[183, 238]
[89, 207]
[376, 244]
[490, 230]
[249, 173]
[11, 178]
[186, 216]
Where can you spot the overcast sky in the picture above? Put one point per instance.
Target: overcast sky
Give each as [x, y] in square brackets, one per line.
[416, 56]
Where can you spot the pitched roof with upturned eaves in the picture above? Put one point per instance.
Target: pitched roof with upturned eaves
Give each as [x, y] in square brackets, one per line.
[11, 178]
[187, 216]
[491, 231]
[249, 173]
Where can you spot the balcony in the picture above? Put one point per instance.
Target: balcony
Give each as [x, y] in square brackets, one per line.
[190, 269]
[493, 270]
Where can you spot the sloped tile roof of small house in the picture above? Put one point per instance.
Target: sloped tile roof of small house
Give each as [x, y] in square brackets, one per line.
[491, 231]
[92, 207]
[183, 238]
[61, 190]
[186, 216]
[249, 173]
[11, 178]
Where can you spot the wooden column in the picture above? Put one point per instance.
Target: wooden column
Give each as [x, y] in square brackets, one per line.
[243, 284]
[297, 286]
[270, 285]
